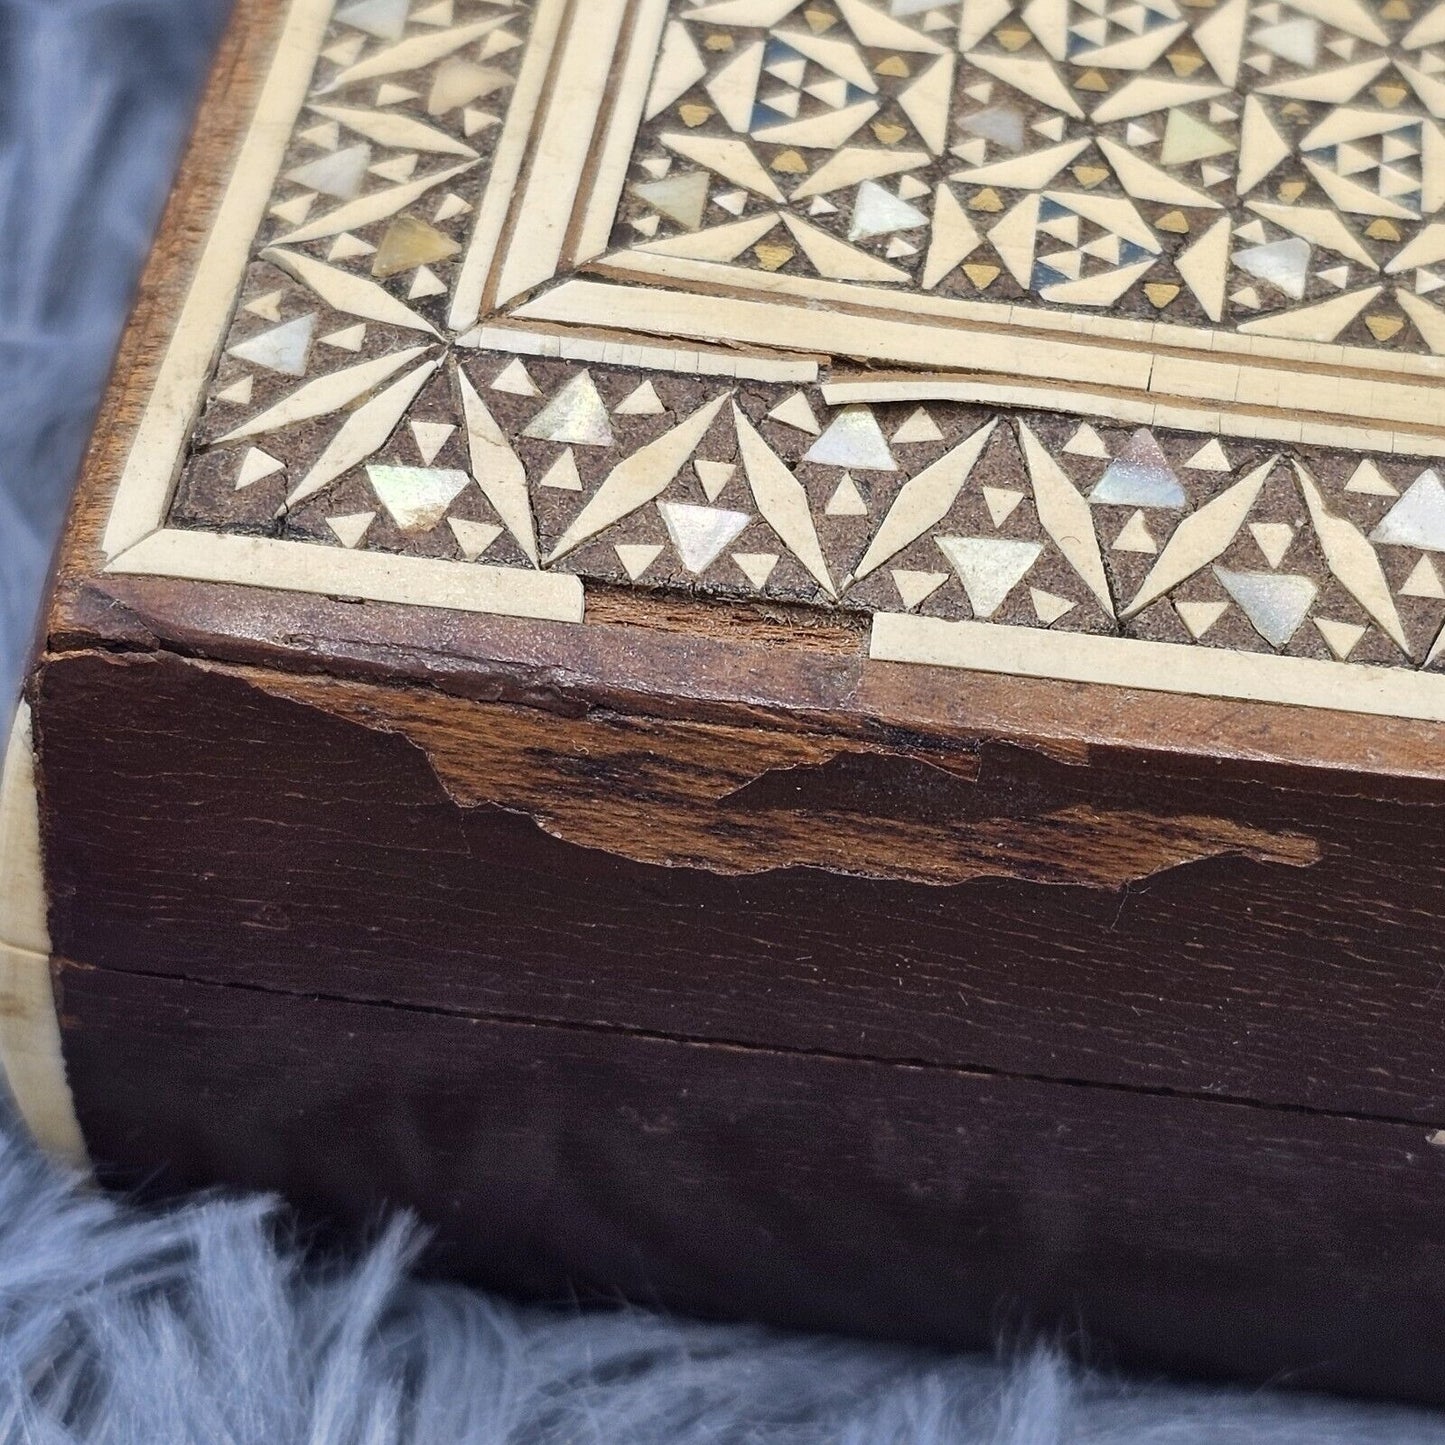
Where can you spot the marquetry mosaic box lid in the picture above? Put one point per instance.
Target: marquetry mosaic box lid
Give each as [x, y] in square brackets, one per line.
[1107, 325]
[948, 492]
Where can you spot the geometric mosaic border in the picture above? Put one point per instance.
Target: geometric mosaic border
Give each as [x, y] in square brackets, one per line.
[504, 298]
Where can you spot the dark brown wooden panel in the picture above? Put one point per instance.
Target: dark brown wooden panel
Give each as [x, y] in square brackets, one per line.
[199, 824]
[899, 1201]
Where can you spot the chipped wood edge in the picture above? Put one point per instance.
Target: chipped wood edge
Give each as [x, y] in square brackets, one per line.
[156, 453]
[1157, 666]
[30, 1051]
[374, 576]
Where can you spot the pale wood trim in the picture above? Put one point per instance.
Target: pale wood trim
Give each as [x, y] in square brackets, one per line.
[619, 349]
[561, 147]
[374, 576]
[30, 1051]
[511, 155]
[1160, 336]
[629, 96]
[1158, 666]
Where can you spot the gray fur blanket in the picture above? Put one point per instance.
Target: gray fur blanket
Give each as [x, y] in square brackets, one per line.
[210, 1325]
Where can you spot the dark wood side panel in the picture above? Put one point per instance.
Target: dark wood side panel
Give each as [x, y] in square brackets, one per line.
[899, 1201]
[200, 825]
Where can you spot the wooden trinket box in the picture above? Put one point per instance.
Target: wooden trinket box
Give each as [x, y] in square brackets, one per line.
[782, 657]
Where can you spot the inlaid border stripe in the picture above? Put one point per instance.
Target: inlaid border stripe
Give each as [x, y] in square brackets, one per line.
[170, 413]
[561, 148]
[1040, 362]
[1158, 666]
[375, 576]
[507, 165]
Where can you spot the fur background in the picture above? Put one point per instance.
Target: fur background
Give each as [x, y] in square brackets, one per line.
[210, 1325]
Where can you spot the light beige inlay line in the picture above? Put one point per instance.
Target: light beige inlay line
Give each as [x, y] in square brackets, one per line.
[629, 97]
[30, 1049]
[1325, 358]
[1158, 666]
[935, 344]
[375, 576]
[507, 165]
[159, 446]
[562, 146]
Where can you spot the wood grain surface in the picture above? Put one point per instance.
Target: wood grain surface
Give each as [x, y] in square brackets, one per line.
[243, 827]
[913, 1202]
[691, 955]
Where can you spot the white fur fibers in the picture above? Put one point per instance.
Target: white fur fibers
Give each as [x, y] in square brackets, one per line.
[207, 1326]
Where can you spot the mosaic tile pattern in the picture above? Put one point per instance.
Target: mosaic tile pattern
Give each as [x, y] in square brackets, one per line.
[1246, 166]
[1269, 167]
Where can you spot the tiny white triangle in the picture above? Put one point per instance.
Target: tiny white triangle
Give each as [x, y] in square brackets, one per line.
[1368, 479]
[714, 477]
[642, 402]
[1273, 539]
[452, 206]
[295, 211]
[473, 537]
[498, 42]
[920, 427]
[430, 438]
[351, 338]
[344, 52]
[1001, 503]
[1135, 536]
[846, 500]
[347, 247]
[351, 528]
[1086, 442]
[1199, 617]
[915, 587]
[255, 465]
[402, 168]
[637, 557]
[326, 136]
[427, 283]
[238, 393]
[562, 475]
[390, 93]
[267, 307]
[796, 413]
[757, 567]
[474, 120]
[1424, 581]
[1341, 637]
[1209, 458]
[515, 380]
[1048, 607]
